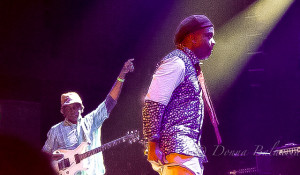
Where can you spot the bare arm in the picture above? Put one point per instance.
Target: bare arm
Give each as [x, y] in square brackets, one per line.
[117, 87]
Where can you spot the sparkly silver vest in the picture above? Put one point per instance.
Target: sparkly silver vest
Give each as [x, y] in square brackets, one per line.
[183, 116]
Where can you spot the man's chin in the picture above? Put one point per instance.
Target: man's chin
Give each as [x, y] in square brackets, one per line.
[208, 55]
[73, 118]
[205, 57]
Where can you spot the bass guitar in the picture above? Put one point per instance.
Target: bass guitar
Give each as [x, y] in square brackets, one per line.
[70, 161]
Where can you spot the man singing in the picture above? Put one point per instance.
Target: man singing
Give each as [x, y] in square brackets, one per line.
[174, 105]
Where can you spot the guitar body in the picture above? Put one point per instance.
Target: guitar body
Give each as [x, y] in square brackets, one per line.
[67, 165]
[69, 162]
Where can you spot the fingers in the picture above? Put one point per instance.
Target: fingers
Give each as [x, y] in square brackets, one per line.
[130, 65]
[132, 59]
[129, 62]
[131, 68]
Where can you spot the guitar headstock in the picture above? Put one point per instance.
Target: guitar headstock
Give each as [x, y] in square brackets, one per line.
[132, 136]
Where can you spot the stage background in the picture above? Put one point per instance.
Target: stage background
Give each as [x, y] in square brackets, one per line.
[48, 47]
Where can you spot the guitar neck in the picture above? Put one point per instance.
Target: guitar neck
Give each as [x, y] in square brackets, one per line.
[102, 148]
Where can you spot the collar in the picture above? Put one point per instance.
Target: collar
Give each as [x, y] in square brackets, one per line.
[66, 122]
[189, 53]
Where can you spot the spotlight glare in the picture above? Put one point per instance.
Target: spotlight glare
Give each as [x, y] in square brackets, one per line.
[239, 39]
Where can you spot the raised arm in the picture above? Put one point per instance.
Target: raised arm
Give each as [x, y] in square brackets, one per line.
[117, 87]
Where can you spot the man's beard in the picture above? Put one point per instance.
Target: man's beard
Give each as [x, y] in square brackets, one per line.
[203, 54]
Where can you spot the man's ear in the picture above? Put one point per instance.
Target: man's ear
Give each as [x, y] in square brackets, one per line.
[193, 38]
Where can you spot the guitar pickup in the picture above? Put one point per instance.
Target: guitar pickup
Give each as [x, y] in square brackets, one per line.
[65, 163]
[77, 158]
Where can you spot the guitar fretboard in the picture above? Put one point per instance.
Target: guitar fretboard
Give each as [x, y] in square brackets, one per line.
[103, 147]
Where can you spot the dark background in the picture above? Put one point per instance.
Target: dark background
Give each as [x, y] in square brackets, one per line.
[49, 47]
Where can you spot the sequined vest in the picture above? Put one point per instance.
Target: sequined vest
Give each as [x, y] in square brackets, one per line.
[183, 116]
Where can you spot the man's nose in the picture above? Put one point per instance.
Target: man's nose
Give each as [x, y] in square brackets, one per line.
[213, 42]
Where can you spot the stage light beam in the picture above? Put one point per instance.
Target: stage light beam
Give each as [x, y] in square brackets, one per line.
[239, 39]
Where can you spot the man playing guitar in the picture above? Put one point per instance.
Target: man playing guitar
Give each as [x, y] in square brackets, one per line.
[75, 129]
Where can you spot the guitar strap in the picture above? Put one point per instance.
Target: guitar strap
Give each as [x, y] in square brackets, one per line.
[208, 103]
[82, 136]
